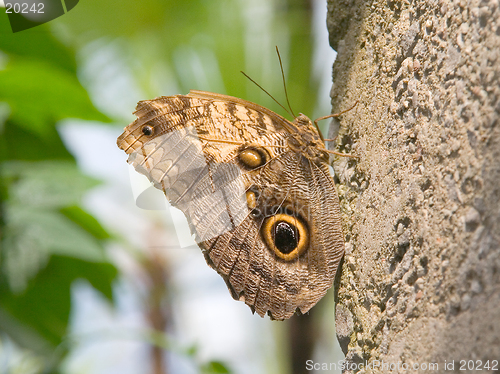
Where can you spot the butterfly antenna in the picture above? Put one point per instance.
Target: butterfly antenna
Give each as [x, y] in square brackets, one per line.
[284, 82]
[268, 94]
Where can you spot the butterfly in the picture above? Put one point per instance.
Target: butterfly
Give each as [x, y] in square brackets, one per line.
[256, 191]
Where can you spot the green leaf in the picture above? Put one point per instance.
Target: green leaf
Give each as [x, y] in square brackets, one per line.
[214, 367]
[31, 236]
[85, 221]
[16, 143]
[39, 94]
[38, 317]
[46, 184]
[192, 351]
[42, 219]
[37, 43]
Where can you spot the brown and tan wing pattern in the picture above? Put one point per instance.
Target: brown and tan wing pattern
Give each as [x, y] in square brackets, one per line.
[253, 272]
[226, 164]
[185, 153]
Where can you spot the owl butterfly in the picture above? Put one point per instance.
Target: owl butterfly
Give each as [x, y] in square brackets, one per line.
[255, 189]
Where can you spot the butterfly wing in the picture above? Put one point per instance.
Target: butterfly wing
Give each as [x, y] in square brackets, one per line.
[253, 272]
[190, 145]
[190, 154]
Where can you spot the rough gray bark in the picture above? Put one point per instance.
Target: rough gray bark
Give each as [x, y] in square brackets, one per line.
[421, 274]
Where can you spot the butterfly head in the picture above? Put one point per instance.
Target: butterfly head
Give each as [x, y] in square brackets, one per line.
[307, 140]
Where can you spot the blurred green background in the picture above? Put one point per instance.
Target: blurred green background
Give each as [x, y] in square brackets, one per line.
[89, 282]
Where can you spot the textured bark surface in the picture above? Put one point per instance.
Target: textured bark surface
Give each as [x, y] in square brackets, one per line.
[421, 274]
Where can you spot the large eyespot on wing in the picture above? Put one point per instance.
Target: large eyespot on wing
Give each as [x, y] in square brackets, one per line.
[286, 234]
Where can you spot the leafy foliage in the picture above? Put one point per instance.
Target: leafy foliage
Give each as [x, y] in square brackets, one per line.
[47, 240]
[214, 367]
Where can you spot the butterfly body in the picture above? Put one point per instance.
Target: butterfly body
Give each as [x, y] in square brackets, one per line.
[256, 191]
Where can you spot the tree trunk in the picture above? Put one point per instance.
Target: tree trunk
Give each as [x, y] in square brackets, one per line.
[420, 282]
